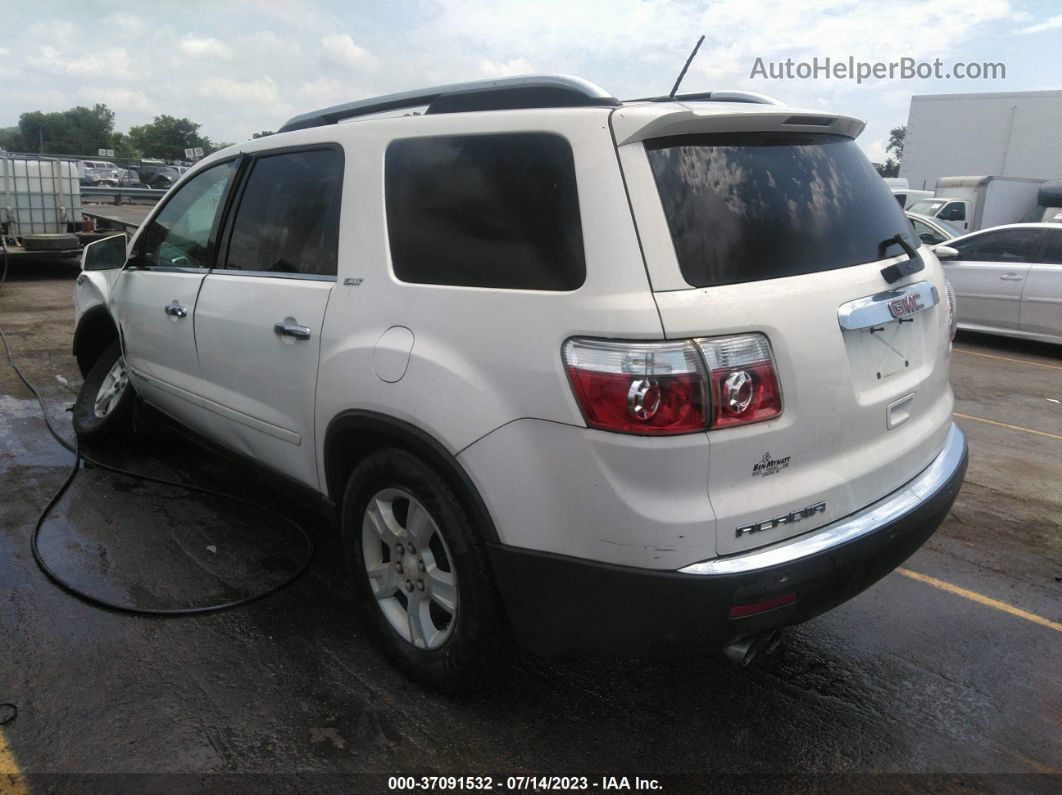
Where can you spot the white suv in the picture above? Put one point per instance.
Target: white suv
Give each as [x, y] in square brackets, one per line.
[622, 375]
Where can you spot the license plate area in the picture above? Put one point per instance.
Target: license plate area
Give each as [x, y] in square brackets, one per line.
[885, 334]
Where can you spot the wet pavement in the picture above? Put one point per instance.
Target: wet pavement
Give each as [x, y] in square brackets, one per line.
[908, 678]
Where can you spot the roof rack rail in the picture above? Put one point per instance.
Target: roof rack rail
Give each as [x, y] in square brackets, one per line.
[507, 93]
[725, 95]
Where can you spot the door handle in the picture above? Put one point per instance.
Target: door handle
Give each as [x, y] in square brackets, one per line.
[176, 310]
[1011, 277]
[291, 330]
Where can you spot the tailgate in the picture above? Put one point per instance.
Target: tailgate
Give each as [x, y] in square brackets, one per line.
[792, 234]
[863, 410]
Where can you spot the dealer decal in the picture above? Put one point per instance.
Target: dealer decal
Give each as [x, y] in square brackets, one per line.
[769, 466]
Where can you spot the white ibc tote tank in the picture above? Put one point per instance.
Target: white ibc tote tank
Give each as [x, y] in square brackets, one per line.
[39, 195]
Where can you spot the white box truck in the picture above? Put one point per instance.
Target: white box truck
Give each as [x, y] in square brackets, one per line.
[974, 203]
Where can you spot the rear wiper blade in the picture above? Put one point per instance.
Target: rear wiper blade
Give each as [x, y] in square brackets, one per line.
[897, 271]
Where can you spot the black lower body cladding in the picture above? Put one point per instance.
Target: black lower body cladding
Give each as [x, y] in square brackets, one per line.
[560, 605]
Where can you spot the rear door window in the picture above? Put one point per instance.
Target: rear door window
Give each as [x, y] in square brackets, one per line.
[1005, 245]
[750, 206]
[498, 210]
[288, 218]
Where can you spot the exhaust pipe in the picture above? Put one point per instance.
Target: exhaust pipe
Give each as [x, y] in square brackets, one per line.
[743, 652]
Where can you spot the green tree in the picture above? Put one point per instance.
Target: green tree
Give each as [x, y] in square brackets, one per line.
[167, 137]
[890, 168]
[123, 146]
[896, 138]
[77, 131]
[261, 134]
[11, 139]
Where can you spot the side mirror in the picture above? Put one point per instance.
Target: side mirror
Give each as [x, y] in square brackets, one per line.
[104, 255]
[946, 252]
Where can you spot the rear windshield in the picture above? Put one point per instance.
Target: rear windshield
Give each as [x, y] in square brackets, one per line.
[750, 206]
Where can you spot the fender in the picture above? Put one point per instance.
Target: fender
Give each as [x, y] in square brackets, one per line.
[94, 325]
[94, 332]
[354, 433]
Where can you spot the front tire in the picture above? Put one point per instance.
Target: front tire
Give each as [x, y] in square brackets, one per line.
[421, 569]
[104, 407]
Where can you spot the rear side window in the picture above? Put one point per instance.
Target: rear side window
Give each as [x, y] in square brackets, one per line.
[288, 219]
[750, 206]
[496, 211]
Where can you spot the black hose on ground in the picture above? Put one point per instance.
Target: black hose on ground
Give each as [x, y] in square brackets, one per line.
[80, 456]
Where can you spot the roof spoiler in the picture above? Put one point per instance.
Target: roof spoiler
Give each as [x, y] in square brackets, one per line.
[724, 95]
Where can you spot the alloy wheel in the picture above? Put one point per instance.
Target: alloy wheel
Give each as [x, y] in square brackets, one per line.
[410, 568]
[111, 388]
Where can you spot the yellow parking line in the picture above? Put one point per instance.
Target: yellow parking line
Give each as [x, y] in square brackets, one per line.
[1008, 358]
[988, 601]
[12, 782]
[1008, 425]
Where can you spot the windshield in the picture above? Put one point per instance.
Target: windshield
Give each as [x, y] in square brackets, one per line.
[750, 206]
[951, 229]
[928, 207]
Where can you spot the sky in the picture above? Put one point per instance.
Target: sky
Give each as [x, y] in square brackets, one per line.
[238, 66]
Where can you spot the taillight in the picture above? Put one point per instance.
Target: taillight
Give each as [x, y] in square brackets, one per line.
[651, 388]
[744, 384]
[665, 387]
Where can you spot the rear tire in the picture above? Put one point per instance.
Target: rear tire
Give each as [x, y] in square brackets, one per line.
[104, 407]
[431, 594]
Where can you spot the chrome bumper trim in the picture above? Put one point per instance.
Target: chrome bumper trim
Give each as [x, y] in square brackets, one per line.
[885, 511]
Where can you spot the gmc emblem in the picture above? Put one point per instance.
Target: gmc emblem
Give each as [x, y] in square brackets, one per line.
[899, 307]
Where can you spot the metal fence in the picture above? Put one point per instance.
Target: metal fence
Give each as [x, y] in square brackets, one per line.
[119, 194]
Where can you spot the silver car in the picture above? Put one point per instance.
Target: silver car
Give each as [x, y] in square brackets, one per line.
[1008, 280]
[932, 231]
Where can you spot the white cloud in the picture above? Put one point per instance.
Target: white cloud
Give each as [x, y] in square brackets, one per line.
[125, 23]
[109, 63]
[1053, 23]
[268, 42]
[323, 92]
[205, 47]
[117, 99]
[244, 65]
[262, 94]
[514, 66]
[340, 49]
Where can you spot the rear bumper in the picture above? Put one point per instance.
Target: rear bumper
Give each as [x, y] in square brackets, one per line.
[562, 605]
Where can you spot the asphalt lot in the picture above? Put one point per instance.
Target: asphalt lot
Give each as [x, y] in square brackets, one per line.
[922, 674]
